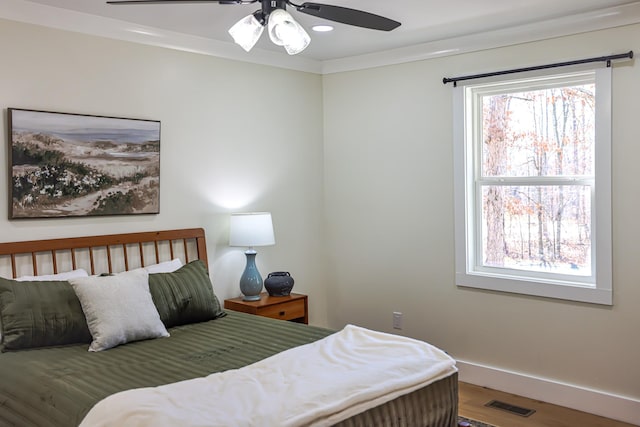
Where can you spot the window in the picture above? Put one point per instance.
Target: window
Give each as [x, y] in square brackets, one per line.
[533, 185]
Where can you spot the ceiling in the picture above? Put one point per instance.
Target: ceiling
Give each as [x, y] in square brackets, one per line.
[423, 21]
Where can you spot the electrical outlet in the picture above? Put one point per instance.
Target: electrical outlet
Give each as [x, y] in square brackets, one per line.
[397, 320]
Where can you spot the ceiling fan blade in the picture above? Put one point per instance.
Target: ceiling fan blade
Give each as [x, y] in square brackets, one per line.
[348, 16]
[180, 1]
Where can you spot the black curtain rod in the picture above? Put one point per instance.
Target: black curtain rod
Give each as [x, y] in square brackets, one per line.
[606, 59]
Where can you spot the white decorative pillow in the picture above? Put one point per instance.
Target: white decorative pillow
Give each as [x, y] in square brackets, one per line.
[60, 276]
[164, 267]
[118, 308]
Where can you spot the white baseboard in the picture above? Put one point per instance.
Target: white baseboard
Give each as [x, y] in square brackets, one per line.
[568, 395]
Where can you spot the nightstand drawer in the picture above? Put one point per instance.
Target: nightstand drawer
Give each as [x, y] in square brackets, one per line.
[285, 311]
[291, 307]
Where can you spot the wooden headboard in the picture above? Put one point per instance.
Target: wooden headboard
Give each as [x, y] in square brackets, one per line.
[110, 253]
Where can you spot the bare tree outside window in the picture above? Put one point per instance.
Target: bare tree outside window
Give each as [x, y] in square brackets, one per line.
[534, 143]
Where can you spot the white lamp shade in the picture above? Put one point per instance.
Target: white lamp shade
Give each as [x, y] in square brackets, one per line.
[251, 229]
[246, 32]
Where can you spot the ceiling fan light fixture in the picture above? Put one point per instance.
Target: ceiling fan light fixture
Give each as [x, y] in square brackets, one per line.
[299, 44]
[285, 31]
[246, 32]
[279, 22]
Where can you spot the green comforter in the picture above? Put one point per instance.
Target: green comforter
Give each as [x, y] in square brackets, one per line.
[58, 386]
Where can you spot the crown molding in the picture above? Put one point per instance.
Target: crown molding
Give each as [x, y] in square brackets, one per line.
[69, 20]
[592, 21]
[64, 19]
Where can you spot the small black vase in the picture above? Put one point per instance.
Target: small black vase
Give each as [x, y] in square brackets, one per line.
[278, 283]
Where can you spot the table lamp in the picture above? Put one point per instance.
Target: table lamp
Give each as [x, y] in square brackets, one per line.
[250, 230]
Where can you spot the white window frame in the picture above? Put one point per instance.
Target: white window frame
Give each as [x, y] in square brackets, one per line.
[469, 272]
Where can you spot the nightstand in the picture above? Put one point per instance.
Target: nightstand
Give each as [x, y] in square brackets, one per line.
[292, 307]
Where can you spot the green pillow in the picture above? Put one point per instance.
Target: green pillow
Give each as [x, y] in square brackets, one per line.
[40, 314]
[184, 296]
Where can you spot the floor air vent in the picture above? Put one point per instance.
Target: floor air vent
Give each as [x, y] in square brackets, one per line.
[517, 410]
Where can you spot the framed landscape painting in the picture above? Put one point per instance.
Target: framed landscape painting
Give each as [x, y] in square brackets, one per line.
[71, 165]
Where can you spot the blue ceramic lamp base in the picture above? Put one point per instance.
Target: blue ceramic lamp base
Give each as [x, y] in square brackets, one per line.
[251, 281]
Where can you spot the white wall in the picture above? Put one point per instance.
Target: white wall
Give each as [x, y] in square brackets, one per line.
[363, 207]
[389, 212]
[234, 137]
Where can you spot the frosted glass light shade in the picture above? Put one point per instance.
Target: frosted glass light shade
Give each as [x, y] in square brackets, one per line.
[285, 31]
[251, 229]
[246, 32]
[299, 44]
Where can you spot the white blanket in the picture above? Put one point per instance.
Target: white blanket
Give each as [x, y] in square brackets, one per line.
[316, 384]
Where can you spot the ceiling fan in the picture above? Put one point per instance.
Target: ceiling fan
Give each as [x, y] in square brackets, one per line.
[283, 29]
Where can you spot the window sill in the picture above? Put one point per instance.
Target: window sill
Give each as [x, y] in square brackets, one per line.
[588, 294]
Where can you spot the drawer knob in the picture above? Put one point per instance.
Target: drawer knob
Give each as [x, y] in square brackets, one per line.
[282, 313]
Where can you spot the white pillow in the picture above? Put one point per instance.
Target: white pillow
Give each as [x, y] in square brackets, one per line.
[118, 308]
[164, 267]
[60, 276]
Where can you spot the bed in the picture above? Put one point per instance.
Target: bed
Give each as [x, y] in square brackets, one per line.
[48, 378]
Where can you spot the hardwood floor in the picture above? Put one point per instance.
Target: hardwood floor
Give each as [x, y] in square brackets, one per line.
[472, 399]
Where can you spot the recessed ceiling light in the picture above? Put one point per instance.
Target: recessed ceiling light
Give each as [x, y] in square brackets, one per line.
[322, 28]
